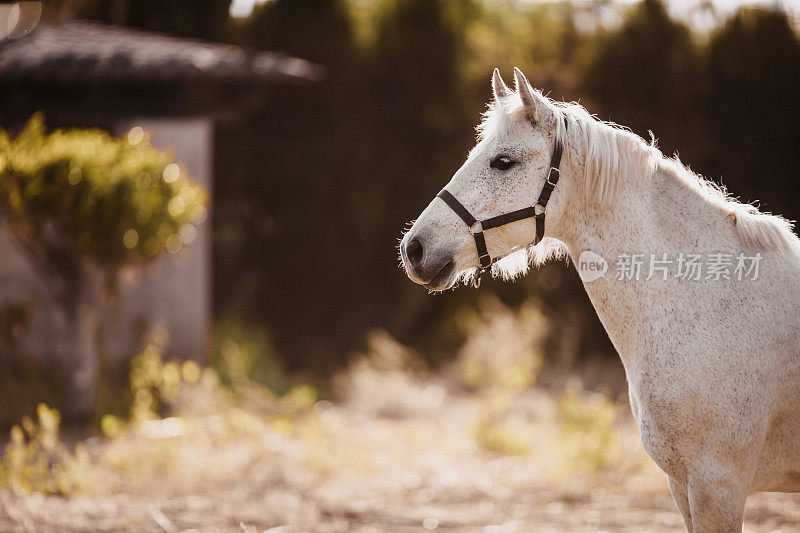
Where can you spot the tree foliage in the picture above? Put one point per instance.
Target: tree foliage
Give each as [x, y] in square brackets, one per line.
[81, 205]
[317, 30]
[648, 75]
[752, 112]
[313, 188]
[352, 159]
[82, 192]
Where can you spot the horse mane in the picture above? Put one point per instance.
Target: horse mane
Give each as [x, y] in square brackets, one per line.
[613, 155]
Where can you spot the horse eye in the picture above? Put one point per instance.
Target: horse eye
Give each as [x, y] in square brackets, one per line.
[502, 162]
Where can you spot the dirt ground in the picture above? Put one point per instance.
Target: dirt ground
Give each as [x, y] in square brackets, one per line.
[473, 448]
[379, 465]
[278, 506]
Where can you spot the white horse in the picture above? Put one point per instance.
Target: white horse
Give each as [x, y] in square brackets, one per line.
[712, 358]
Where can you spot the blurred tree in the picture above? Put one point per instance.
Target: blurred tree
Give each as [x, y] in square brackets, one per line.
[648, 76]
[288, 183]
[421, 127]
[317, 30]
[752, 110]
[313, 188]
[331, 172]
[415, 75]
[81, 205]
[310, 201]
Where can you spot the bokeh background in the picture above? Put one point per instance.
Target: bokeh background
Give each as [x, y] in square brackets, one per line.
[202, 319]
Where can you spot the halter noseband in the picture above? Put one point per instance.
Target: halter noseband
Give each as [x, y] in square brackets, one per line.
[537, 211]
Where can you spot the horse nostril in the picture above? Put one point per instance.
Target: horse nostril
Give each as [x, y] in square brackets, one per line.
[414, 252]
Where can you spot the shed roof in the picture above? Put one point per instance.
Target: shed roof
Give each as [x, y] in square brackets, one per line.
[90, 53]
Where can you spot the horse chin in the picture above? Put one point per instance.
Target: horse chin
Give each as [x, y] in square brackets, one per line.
[444, 279]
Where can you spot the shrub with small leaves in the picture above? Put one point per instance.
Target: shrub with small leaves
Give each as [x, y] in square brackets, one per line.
[116, 201]
[36, 460]
[154, 381]
[587, 426]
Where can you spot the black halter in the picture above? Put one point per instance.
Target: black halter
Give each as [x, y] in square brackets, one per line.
[536, 211]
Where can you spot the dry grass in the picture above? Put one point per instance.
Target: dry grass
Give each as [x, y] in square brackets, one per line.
[399, 450]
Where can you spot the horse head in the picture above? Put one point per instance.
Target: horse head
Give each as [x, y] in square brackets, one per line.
[500, 187]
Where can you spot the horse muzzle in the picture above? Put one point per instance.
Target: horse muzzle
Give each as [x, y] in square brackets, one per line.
[434, 271]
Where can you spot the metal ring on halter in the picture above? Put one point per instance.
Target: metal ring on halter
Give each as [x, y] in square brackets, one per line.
[478, 222]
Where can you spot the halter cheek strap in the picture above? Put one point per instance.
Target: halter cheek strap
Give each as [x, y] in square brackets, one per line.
[537, 211]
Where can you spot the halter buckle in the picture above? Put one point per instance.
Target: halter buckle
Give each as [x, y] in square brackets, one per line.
[558, 173]
[539, 209]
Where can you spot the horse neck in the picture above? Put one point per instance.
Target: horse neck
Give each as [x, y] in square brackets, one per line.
[662, 213]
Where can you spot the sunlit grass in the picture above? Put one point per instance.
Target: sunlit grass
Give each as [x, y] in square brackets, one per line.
[388, 407]
[36, 459]
[394, 434]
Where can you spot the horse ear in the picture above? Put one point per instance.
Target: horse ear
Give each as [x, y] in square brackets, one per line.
[536, 106]
[499, 87]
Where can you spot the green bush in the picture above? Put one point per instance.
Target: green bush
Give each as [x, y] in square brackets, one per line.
[587, 427]
[116, 201]
[37, 460]
[81, 205]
